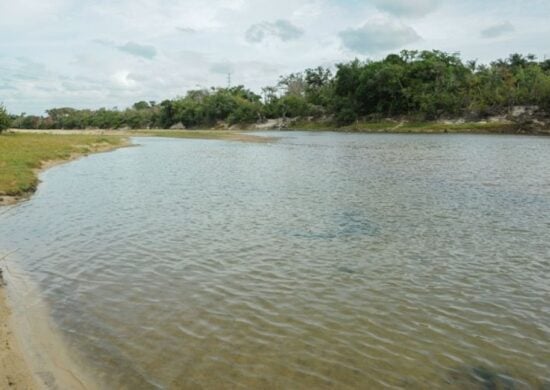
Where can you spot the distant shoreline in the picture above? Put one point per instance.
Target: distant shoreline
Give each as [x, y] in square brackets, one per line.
[239, 132]
[242, 133]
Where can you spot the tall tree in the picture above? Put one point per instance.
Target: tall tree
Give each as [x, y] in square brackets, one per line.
[5, 120]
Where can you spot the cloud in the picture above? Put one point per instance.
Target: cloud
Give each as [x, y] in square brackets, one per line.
[135, 49]
[407, 8]
[378, 35]
[282, 29]
[124, 79]
[498, 30]
[187, 30]
[7, 86]
[222, 68]
[144, 51]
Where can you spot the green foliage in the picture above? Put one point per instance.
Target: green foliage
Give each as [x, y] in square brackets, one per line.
[208, 107]
[422, 85]
[5, 120]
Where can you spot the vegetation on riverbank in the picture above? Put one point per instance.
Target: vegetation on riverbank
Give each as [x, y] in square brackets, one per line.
[21, 155]
[396, 126]
[417, 86]
[5, 120]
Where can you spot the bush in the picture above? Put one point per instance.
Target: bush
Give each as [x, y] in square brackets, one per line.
[5, 120]
[346, 116]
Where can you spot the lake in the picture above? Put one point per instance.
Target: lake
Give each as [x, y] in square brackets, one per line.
[321, 260]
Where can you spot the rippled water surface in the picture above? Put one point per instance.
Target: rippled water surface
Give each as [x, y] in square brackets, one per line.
[318, 261]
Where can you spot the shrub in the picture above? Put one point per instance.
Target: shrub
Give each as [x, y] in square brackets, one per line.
[5, 120]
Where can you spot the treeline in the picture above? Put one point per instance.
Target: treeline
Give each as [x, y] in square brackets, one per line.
[424, 85]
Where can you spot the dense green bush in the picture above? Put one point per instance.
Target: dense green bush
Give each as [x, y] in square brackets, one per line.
[5, 120]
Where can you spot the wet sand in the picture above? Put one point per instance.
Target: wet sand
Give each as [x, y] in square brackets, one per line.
[15, 372]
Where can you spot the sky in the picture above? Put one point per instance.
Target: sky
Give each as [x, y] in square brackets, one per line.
[112, 53]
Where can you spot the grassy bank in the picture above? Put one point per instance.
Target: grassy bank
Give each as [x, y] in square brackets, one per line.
[410, 127]
[22, 155]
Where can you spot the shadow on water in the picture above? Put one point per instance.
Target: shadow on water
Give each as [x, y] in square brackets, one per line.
[347, 224]
[486, 378]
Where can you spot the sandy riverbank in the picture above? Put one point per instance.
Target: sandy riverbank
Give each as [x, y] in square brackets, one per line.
[212, 134]
[15, 368]
[15, 371]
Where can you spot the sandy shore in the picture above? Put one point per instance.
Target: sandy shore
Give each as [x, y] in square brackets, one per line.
[14, 370]
[223, 135]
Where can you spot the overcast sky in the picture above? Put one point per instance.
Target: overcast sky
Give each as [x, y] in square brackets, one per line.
[106, 53]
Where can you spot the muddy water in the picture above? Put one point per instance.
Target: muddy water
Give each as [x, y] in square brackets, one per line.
[318, 261]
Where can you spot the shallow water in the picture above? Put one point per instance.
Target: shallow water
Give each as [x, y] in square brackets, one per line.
[319, 261]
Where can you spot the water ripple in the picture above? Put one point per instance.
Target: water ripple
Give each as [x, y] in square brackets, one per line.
[321, 261]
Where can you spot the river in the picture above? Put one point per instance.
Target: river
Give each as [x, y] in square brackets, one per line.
[321, 260]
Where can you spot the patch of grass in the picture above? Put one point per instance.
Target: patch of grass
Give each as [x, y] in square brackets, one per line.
[409, 127]
[313, 126]
[473, 127]
[22, 154]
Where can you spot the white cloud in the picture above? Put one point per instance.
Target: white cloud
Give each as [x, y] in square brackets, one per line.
[407, 8]
[123, 79]
[187, 30]
[281, 29]
[135, 49]
[222, 67]
[378, 35]
[497, 30]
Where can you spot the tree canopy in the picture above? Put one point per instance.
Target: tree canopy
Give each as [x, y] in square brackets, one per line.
[424, 85]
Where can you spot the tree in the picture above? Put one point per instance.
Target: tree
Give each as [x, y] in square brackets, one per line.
[318, 86]
[293, 84]
[5, 119]
[141, 105]
[419, 85]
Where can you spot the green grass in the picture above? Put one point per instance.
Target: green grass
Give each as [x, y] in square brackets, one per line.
[408, 127]
[22, 154]
[473, 127]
